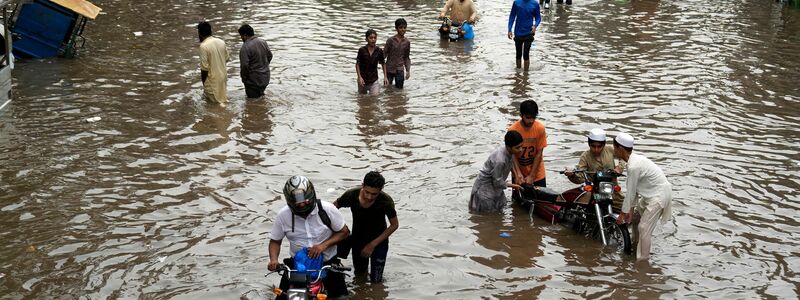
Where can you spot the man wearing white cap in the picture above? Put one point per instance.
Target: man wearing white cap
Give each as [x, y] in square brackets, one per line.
[649, 193]
[599, 157]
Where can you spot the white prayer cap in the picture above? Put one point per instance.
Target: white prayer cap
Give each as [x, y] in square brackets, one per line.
[624, 139]
[597, 135]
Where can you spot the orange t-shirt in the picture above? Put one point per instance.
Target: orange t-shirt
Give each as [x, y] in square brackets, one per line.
[533, 138]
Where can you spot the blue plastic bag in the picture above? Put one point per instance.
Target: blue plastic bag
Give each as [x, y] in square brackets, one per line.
[468, 33]
[303, 263]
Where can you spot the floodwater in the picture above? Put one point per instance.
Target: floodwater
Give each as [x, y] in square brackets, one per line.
[169, 197]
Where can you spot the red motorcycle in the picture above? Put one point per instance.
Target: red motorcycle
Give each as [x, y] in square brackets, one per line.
[587, 208]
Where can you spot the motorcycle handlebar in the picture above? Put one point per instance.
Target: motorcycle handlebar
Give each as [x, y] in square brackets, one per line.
[282, 268]
[610, 171]
[572, 171]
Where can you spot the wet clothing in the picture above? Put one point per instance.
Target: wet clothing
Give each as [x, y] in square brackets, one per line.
[308, 231]
[646, 184]
[255, 57]
[368, 224]
[368, 64]
[488, 191]
[398, 54]
[523, 13]
[371, 89]
[649, 192]
[522, 46]
[376, 262]
[592, 164]
[461, 11]
[645, 223]
[533, 139]
[397, 78]
[213, 57]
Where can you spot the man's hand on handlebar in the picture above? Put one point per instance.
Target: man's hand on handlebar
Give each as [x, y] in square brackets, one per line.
[272, 265]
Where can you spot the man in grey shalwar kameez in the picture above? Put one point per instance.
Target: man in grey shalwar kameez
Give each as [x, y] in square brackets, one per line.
[488, 191]
[254, 57]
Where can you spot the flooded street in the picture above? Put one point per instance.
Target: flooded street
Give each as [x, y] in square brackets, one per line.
[169, 197]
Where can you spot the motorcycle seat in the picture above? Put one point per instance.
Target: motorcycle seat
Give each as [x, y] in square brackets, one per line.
[531, 192]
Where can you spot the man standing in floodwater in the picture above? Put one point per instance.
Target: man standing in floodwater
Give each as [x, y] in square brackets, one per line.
[213, 72]
[488, 191]
[528, 165]
[254, 57]
[398, 55]
[649, 195]
[523, 13]
[460, 11]
[367, 61]
[371, 207]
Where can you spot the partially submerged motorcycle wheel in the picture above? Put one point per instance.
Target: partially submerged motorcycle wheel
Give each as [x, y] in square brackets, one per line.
[618, 237]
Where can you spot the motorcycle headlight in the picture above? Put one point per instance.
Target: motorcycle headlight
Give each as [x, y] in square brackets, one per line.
[298, 294]
[606, 187]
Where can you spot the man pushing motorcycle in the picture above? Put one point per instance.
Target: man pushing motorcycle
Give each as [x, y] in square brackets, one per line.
[528, 164]
[649, 194]
[460, 11]
[308, 222]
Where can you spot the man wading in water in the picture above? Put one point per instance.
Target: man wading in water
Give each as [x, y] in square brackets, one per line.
[213, 72]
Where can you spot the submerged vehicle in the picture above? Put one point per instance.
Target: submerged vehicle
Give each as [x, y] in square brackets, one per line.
[588, 208]
[455, 31]
[305, 278]
[48, 28]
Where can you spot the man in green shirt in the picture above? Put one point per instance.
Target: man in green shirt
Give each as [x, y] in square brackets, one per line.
[370, 239]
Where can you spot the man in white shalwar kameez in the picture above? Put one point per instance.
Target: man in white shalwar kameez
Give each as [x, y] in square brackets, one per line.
[648, 192]
[488, 191]
[213, 71]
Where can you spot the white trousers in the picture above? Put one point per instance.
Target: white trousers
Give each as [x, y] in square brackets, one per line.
[645, 224]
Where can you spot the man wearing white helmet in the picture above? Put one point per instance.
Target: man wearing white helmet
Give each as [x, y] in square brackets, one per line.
[648, 192]
[309, 223]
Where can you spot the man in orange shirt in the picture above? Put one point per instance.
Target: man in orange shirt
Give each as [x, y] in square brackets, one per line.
[528, 164]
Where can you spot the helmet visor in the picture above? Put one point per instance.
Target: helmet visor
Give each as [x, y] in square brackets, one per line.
[299, 196]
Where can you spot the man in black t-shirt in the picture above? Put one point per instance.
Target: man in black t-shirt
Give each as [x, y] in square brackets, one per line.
[370, 239]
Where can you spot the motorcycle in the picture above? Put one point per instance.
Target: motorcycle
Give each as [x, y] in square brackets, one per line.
[304, 281]
[455, 31]
[588, 208]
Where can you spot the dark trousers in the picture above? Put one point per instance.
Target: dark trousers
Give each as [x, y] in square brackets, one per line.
[254, 91]
[333, 281]
[374, 262]
[398, 78]
[523, 46]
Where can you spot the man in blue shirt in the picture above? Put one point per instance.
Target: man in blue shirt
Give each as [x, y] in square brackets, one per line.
[523, 13]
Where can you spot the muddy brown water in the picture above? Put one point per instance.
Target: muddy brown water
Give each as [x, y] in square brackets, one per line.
[168, 197]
